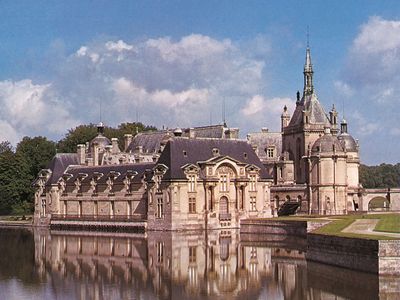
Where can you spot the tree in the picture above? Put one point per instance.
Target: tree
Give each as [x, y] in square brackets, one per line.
[38, 152]
[85, 133]
[75, 136]
[382, 176]
[15, 182]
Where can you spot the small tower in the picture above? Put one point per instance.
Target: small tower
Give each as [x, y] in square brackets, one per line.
[285, 118]
[343, 127]
[333, 114]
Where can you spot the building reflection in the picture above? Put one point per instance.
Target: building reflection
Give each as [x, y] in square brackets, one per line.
[171, 265]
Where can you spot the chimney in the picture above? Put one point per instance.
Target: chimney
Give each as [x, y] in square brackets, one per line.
[115, 148]
[95, 154]
[127, 141]
[81, 154]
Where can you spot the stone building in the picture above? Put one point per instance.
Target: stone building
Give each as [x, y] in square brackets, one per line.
[317, 166]
[206, 177]
[195, 183]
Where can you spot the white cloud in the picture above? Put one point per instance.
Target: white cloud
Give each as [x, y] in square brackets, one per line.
[364, 126]
[261, 112]
[343, 88]
[163, 81]
[28, 109]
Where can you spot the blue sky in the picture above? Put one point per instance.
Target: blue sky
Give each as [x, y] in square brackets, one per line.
[173, 62]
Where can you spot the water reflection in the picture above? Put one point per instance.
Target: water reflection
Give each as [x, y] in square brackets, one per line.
[165, 265]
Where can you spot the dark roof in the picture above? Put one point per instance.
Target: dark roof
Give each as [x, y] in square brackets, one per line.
[348, 142]
[181, 151]
[310, 103]
[150, 141]
[265, 139]
[59, 163]
[212, 131]
[325, 144]
[101, 141]
[140, 168]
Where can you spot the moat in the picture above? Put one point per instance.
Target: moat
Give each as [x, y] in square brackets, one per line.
[43, 264]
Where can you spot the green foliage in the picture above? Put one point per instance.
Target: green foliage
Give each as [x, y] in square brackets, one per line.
[382, 176]
[75, 136]
[38, 151]
[15, 181]
[85, 133]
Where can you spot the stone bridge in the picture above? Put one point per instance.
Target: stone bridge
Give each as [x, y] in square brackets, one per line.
[381, 199]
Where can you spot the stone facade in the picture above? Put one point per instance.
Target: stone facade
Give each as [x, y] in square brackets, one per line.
[206, 177]
[318, 163]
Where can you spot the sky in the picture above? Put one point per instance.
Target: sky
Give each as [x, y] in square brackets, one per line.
[174, 64]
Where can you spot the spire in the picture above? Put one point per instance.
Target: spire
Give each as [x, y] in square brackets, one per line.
[308, 73]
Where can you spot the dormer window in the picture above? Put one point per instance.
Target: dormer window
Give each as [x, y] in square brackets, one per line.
[215, 151]
[270, 152]
[245, 155]
[184, 153]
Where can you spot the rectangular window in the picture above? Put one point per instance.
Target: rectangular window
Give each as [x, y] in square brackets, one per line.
[223, 183]
[160, 252]
[192, 255]
[253, 204]
[192, 183]
[192, 205]
[253, 183]
[270, 152]
[43, 207]
[160, 207]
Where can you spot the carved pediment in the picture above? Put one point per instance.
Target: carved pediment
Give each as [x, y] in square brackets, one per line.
[252, 169]
[191, 169]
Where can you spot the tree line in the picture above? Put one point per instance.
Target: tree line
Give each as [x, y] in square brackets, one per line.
[382, 176]
[19, 166]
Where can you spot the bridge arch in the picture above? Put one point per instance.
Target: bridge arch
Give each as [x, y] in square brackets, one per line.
[379, 203]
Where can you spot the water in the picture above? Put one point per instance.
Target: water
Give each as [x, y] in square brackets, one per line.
[39, 264]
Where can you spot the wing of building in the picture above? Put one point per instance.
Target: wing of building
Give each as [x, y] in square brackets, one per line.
[206, 177]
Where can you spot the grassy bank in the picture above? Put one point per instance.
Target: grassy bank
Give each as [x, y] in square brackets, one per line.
[387, 223]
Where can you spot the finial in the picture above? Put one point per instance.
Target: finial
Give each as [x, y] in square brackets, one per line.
[285, 108]
[308, 37]
[298, 97]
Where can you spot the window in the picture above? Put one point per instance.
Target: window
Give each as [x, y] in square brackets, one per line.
[192, 183]
[160, 207]
[215, 151]
[192, 205]
[192, 255]
[43, 207]
[184, 153]
[223, 183]
[253, 252]
[271, 152]
[160, 252]
[253, 183]
[253, 202]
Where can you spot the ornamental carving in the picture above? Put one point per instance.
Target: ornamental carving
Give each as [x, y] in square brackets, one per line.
[225, 170]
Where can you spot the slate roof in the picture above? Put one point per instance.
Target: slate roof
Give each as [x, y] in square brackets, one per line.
[150, 141]
[348, 142]
[325, 144]
[309, 103]
[263, 140]
[59, 163]
[140, 168]
[212, 131]
[181, 151]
